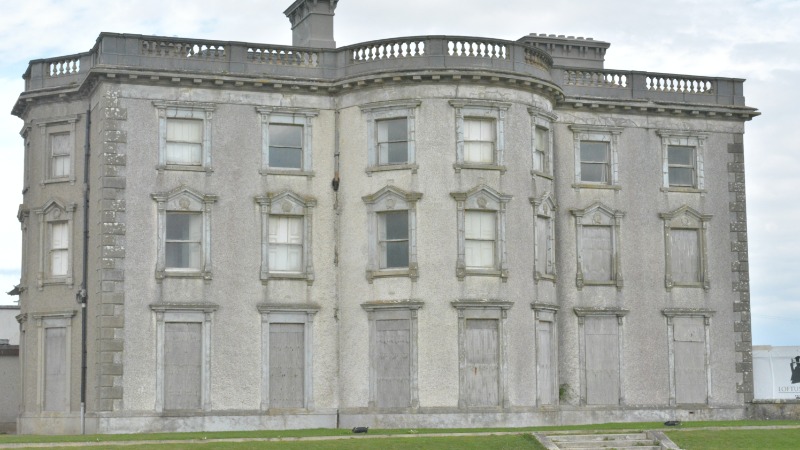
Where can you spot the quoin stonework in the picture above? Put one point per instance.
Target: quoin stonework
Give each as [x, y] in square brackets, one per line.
[427, 231]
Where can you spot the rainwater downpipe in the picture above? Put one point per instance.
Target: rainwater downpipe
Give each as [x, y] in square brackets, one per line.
[82, 296]
[336, 218]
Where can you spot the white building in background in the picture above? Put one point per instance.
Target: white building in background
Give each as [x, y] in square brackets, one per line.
[421, 231]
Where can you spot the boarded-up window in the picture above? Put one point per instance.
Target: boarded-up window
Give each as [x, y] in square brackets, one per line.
[61, 154]
[685, 253]
[285, 244]
[479, 141]
[545, 365]
[544, 262]
[392, 365]
[690, 360]
[55, 369]
[479, 242]
[482, 363]
[597, 253]
[286, 365]
[184, 141]
[182, 365]
[602, 360]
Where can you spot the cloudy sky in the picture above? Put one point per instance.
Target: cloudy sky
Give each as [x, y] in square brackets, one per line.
[752, 39]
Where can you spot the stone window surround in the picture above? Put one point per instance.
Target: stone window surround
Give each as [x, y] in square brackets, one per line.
[287, 203]
[183, 198]
[694, 139]
[184, 110]
[670, 314]
[298, 313]
[54, 211]
[686, 218]
[483, 309]
[184, 313]
[480, 109]
[62, 319]
[393, 109]
[386, 310]
[600, 134]
[391, 198]
[287, 116]
[545, 312]
[582, 313]
[482, 198]
[601, 215]
[542, 119]
[49, 128]
[544, 207]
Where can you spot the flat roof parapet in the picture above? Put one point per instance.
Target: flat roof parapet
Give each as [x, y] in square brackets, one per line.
[569, 51]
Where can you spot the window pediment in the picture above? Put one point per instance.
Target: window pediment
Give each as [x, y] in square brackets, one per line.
[285, 203]
[481, 197]
[183, 198]
[685, 217]
[390, 198]
[597, 214]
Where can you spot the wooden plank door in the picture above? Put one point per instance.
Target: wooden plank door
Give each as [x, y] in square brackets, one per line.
[182, 365]
[602, 360]
[482, 363]
[286, 365]
[55, 369]
[393, 363]
[544, 363]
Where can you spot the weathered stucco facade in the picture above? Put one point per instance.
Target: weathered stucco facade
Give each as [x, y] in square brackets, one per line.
[428, 231]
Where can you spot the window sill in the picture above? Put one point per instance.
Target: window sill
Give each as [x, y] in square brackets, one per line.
[299, 276]
[388, 167]
[175, 273]
[69, 180]
[542, 174]
[287, 172]
[410, 272]
[184, 168]
[687, 190]
[544, 277]
[477, 272]
[66, 281]
[475, 166]
[697, 285]
[614, 187]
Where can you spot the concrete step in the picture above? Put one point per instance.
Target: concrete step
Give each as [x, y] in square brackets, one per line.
[597, 437]
[633, 441]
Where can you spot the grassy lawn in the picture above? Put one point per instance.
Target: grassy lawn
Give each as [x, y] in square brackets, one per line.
[788, 439]
[683, 436]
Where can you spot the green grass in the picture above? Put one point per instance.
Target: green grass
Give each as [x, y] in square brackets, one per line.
[506, 442]
[264, 434]
[780, 439]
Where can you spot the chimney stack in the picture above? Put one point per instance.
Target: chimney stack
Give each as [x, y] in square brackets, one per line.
[312, 23]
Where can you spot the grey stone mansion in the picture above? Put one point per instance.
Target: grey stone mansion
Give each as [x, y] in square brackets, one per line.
[428, 231]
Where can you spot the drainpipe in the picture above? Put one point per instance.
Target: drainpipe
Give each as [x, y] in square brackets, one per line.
[82, 296]
[336, 218]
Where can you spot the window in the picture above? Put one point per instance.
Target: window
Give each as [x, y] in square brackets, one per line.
[286, 236]
[481, 216]
[391, 135]
[393, 354]
[685, 247]
[287, 356]
[544, 266]
[184, 135]
[481, 352]
[480, 134]
[393, 239]
[58, 141]
[688, 333]
[59, 248]
[184, 233]
[479, 140]
[184, 240]
[600, 339]
[55, 361]
[546, 353]
[183, 356]
[286, 140]
[596, 160]
[597, 231]
[542, 142]
[682, 160]
[391, 232]
[392, 141]
[55, 231]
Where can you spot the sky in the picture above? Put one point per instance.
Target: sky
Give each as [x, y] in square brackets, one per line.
[751, 39]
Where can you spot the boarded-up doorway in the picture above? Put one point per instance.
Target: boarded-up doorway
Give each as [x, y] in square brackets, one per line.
[601, 353]
[182, 365]
[286, 365]
[482, 363]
